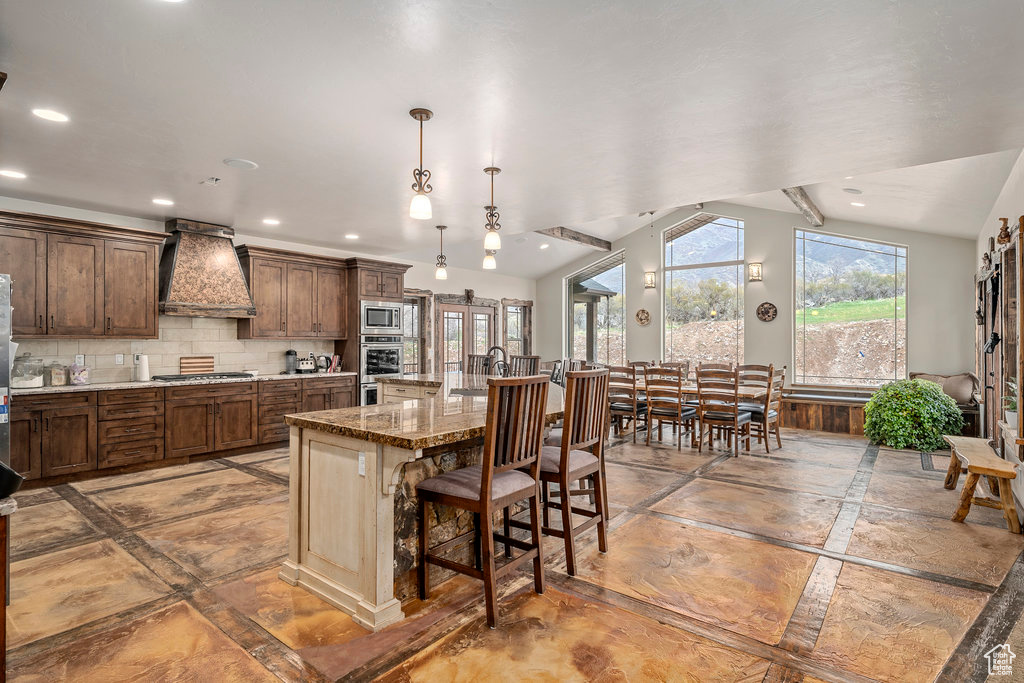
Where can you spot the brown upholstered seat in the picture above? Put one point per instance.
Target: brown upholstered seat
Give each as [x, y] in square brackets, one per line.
[550, 459]
[465, 483]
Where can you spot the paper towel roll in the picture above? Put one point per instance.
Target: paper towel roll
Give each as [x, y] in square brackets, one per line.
[142, 372]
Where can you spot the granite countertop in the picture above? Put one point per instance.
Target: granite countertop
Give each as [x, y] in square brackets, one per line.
[107, 386]
[448, 418]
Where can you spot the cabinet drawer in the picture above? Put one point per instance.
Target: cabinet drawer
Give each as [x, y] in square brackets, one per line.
[280, 386]
[276, 412]
[71, 399]
[116, 431]
[202, 390]
[273, 434]
[130, 396]
[329, 382]
[130, 410]
[131, 452]
[285, 399]
[402, 392]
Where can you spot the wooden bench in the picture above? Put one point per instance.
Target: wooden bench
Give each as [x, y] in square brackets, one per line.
[980, 461]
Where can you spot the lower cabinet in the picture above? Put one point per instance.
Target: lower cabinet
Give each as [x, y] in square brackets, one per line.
[207, 418]
[328, 393]
[27, 442]
[235, 422]
[69, 440]
[131, 426]
[188, 427]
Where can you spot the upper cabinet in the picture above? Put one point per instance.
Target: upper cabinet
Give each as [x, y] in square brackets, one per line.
[297, 296]
[380, 281]
[76, 279]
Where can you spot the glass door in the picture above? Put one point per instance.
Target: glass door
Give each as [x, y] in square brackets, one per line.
[464, 330]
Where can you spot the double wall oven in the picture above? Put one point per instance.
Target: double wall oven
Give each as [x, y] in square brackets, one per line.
[380, 346]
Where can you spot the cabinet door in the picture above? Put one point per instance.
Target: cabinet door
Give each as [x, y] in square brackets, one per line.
[236, 422]
[26, 443]
[23, 255]
[369, 284]
[330, 299]
[130, 289]
[391, 285]
[316, 399]
[269, 290]
[188, 427]
[69, 440]
[74, 285]
[301, 292]
[343, 397]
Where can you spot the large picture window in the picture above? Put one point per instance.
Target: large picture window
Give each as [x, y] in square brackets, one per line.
[704, 290]
[851, 310]
[596, 312]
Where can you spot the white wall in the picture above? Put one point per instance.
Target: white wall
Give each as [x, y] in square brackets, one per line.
[1008, 205]
[940, 289]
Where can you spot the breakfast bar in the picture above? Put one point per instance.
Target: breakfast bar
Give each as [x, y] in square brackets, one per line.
[352, 485]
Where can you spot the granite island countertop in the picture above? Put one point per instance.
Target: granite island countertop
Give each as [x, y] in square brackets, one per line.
[450, 417]
[108, 386]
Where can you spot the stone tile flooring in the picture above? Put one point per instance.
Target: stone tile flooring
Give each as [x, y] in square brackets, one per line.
[827, 560]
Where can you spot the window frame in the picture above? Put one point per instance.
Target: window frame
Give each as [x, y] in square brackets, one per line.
[791, 376]
[567, 302]
[526, 324]
[665, 268]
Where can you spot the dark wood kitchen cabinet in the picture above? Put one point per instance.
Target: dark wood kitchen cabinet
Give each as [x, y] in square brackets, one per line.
[69, 440]
[78, 279]
[328, 393]
[268, 281]
[23, 255]
[236, 421]
[131, 426]
[381, 284]
[188, 427]
[331, 305]
[26, 442]
[211, 417]
[302, 303]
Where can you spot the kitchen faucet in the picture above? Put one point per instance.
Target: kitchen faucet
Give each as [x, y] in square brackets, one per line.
[500, 365]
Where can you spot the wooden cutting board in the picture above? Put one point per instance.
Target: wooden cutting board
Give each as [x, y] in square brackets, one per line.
[195, 365]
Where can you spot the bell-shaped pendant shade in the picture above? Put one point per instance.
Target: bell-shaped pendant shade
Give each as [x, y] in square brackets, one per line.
[489, 262]
[419, 207]
[441, 273]
[492, 240]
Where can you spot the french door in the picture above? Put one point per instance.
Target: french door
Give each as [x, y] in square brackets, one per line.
[463, 330]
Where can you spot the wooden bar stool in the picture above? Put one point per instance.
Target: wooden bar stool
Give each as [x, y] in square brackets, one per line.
[477, 364]
[523, 366]
[512, 440]
[580, 457]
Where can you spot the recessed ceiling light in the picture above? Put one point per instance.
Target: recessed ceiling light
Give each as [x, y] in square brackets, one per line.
[852, 190]
[163, 202]
[545, 245]
[271, 221]
[857, 204]
[351, 236]
[51, 115]
[849, 177]
[11, 173]
[174, 0]
[243, 164]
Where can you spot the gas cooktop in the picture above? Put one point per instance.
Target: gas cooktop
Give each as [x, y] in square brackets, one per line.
[203, 375]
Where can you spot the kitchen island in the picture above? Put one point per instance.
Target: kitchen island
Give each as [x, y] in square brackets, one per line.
[353, 473]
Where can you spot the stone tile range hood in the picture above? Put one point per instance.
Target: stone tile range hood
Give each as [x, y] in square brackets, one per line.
[200, 275]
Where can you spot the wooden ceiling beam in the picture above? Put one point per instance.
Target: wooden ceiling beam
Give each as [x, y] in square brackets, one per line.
[569, 235]
[807, 207]
[3, 79]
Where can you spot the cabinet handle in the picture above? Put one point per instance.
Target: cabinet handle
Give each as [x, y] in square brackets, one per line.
[42, 325]
[131, 452]
[108, 324]
[35, 424]
[282, 326]
[51, 322]
[47, 424]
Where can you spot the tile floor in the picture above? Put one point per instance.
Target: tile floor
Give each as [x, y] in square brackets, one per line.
[829, 560]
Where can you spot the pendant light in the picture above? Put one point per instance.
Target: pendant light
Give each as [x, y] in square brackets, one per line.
[492, 240]
[419, 207]
[441, 272]
[489, 262]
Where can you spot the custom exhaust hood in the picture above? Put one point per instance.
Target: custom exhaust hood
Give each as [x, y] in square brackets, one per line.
[200, 275]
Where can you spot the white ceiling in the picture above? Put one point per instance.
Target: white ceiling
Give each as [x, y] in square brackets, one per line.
[947, 198]
[592, 109]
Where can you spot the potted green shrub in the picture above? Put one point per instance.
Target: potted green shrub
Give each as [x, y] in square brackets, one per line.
[911, 413]
[1010, 402]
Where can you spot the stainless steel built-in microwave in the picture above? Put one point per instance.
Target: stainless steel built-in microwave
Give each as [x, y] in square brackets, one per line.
[380, 317]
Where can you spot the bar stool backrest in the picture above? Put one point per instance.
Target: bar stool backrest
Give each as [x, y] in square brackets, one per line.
[523, 366]
[516, 407]
[477, 364]
[586, 410]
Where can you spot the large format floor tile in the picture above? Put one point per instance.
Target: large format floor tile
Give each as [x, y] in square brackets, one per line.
[789, 516]
[746, 586]
[46, 526]
[175, 498]
[58, 591]
[929, 496]
[147, 476]
[795, 476]
[894, 627]
[174, 644]
[910, 463]
[846, 456]
[969, 551]
[630, 485]
[666, 457]
[278, 466]
[220, 543]
[559, 637]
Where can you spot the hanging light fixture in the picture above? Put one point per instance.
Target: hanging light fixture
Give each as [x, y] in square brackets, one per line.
[492, 240]
[489, 262]
[441, 272]
[419, 207]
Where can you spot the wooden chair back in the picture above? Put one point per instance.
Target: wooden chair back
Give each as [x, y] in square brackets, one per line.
[477, 364]
[755, 375]
[715, 366]
[682, 365]
[640, 363]
[774, 400]
[622, 384]
[516, 407]
[453, 366]
[717, 390]
[664, 389]
[586, 411]
[523, 366]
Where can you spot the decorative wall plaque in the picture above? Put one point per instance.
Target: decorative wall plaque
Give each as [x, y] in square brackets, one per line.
[767, 311]
[643, 317]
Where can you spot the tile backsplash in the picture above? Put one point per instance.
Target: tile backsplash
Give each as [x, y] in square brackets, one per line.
[217, 337]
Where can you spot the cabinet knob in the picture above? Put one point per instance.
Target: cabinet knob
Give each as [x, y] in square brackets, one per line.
[282, 326]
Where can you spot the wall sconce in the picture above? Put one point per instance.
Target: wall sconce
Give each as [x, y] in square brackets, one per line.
[754, 271]
[650, 280]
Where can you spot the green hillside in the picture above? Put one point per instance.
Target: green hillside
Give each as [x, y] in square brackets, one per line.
[851, 311]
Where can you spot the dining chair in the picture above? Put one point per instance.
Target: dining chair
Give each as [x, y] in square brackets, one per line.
[477, 364]
[663, 390]
[625, 399]
[579, 458]
[512, 442]
[718, 407]
[523, 366]
[765, 415]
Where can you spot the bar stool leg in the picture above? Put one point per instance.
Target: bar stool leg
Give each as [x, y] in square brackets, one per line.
[507, 528]
[422, 569]
[478, 561]
[570, 546]
[535, 535]
[490, 588]
[599, 492]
